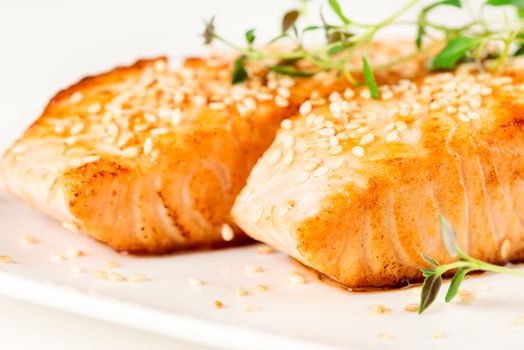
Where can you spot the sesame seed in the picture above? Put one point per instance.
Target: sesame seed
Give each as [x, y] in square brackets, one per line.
[115, 276]
[385, 336]
[113, 265]
[305, 108]
[76, 97]
[288, 141]
[518, 321]
[262, 96]
[281, 101]
[367, 138]
[254, 268]
[505, 249]
[289, 157]
[91, 159]
[463, 117]
[335, 150]
[392, 136]
[75, 269]
[284, 92]
[138, 278]
[451, 110]
[437, 334]
[326, 131]
[159, 131]
[194, 282]
[486, 91]
[321, 171]
[357, 151]
[302, 177]
[241, 292]
[465, 293]
[349, 93]
[265, 249]
[178, 97]
[94, 108]
[6, 259]
[286, 124]
[261, 288]
[227, 233]
[56, 257]
[77, 129]
[335, 108]
[150, 117]
[380, 309]
[218, 304]
[413, 307]
[401, 126]
[29, 240]
[217, 106]
[296, 278]
[365, 93]
[148, 146]
[73, 252]
[100, 275]
[473, 115]
[275, 156]
[386, 95]
[363, 130]
[130, 152]
[252, 308]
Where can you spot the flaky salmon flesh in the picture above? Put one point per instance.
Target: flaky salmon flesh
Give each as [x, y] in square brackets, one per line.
[354, 188]
[149, 159]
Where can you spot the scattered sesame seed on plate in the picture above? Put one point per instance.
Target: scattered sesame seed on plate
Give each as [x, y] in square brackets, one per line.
[56, 257]
[385, 336]
[100, 274]
[194, 281]
[254, 268]
[296, 278]
[113, 265]
[437, 334]
[73, 252]
[265, 249]
[75, 269]
[28, 239]
[252, 308]
[218, 304]
[380, 309]
[261, 288]
[138, 278]
[241, 292]
[518, 321]
[115, 276]
[5, 259]
[413, 307]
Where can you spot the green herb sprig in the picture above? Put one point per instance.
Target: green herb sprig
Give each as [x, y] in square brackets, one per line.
[477, 40]
[464, 265]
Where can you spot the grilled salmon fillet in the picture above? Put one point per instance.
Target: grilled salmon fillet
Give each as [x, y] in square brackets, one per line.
[148, 159]
[361, 195]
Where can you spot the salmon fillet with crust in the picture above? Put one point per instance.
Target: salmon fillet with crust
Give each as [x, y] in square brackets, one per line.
[148, 159]
[370, 177]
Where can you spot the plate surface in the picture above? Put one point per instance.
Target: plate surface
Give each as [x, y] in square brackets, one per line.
[314, 315]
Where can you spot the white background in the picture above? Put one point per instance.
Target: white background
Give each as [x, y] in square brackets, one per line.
[47, 45]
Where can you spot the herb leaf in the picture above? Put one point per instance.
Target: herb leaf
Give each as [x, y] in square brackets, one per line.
[455, 283]
[455, 50]
[209, 31]
[286, 70]
[430, 290]
[239, 71]
[429, 260]
[335, 6]
[289, 20]
[447, 234]
[250, 36]
[369, 78]
[517, 3]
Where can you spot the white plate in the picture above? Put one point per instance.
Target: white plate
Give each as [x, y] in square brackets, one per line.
[309, 316]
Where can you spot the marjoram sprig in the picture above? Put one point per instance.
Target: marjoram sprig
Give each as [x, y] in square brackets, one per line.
[489, 42]
[464, 265]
